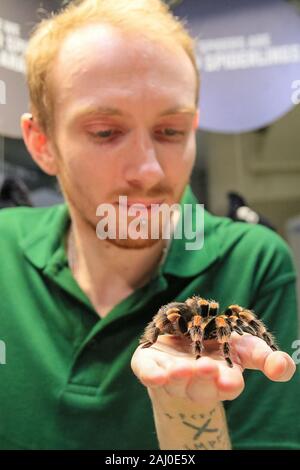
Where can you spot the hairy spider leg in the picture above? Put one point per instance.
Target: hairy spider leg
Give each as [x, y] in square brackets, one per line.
[203, 306]
[251, 324]
[196, 327]
[213, 309]
[209, 319]
[219, 328]
[166, 321]
[196, 335]
[259, 327]
[232, 320]
[233, 312]
[223, 336]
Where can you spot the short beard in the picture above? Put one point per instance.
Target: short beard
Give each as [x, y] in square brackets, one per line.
[130, 244]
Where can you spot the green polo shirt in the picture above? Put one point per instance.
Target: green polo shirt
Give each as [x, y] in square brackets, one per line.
[67, 381]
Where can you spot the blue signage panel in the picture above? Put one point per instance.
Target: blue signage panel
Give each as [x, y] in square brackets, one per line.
[249, 56]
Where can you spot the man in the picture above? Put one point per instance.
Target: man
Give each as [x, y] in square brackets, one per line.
[114, 94]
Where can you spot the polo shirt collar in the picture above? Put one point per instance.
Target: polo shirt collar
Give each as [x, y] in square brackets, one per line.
[44, 246]
[182, 262]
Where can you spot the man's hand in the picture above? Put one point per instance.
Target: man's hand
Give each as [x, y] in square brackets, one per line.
[169, 364]
[187, 394]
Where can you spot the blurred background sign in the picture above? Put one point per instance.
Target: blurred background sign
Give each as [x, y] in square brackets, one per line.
[249, 56]
[17, 18]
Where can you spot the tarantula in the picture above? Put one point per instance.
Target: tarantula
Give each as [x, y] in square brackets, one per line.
[198, 319]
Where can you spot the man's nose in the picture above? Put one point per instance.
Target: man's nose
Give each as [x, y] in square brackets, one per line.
[143, 167]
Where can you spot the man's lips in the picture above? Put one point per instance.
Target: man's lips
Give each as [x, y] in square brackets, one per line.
[140, 204]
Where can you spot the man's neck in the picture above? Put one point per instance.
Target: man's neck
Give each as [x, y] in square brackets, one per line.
[108, 273]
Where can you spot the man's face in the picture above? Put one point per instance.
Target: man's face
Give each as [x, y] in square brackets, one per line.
[124, 121]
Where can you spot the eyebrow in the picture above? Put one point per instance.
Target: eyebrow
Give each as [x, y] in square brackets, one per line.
[109, 111]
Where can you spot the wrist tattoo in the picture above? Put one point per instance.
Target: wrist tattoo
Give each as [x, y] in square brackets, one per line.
[204, 435]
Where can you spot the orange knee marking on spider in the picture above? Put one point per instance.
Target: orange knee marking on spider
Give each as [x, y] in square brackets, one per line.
[160, 325]
[233, 319]
[235, 308]
[214, 304]
[221, 322]
[173, 317]
[246, 315]
[197, 320]
[201, 302]
[172, 310]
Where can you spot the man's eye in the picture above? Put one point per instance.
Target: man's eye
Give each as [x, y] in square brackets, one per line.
[168, 132]
[104, 134]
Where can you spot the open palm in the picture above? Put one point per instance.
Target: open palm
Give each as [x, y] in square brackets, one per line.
[169, 364]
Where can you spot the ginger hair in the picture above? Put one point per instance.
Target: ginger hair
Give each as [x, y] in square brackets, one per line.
[150, 18]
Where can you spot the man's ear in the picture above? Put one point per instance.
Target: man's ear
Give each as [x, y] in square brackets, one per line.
[38, 145]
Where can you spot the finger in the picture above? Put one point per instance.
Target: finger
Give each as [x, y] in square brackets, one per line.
[252, 351]
[206, 367]
[279, 366]
[147, 370]
[230, 382]
[202, 387]
[179, 374]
